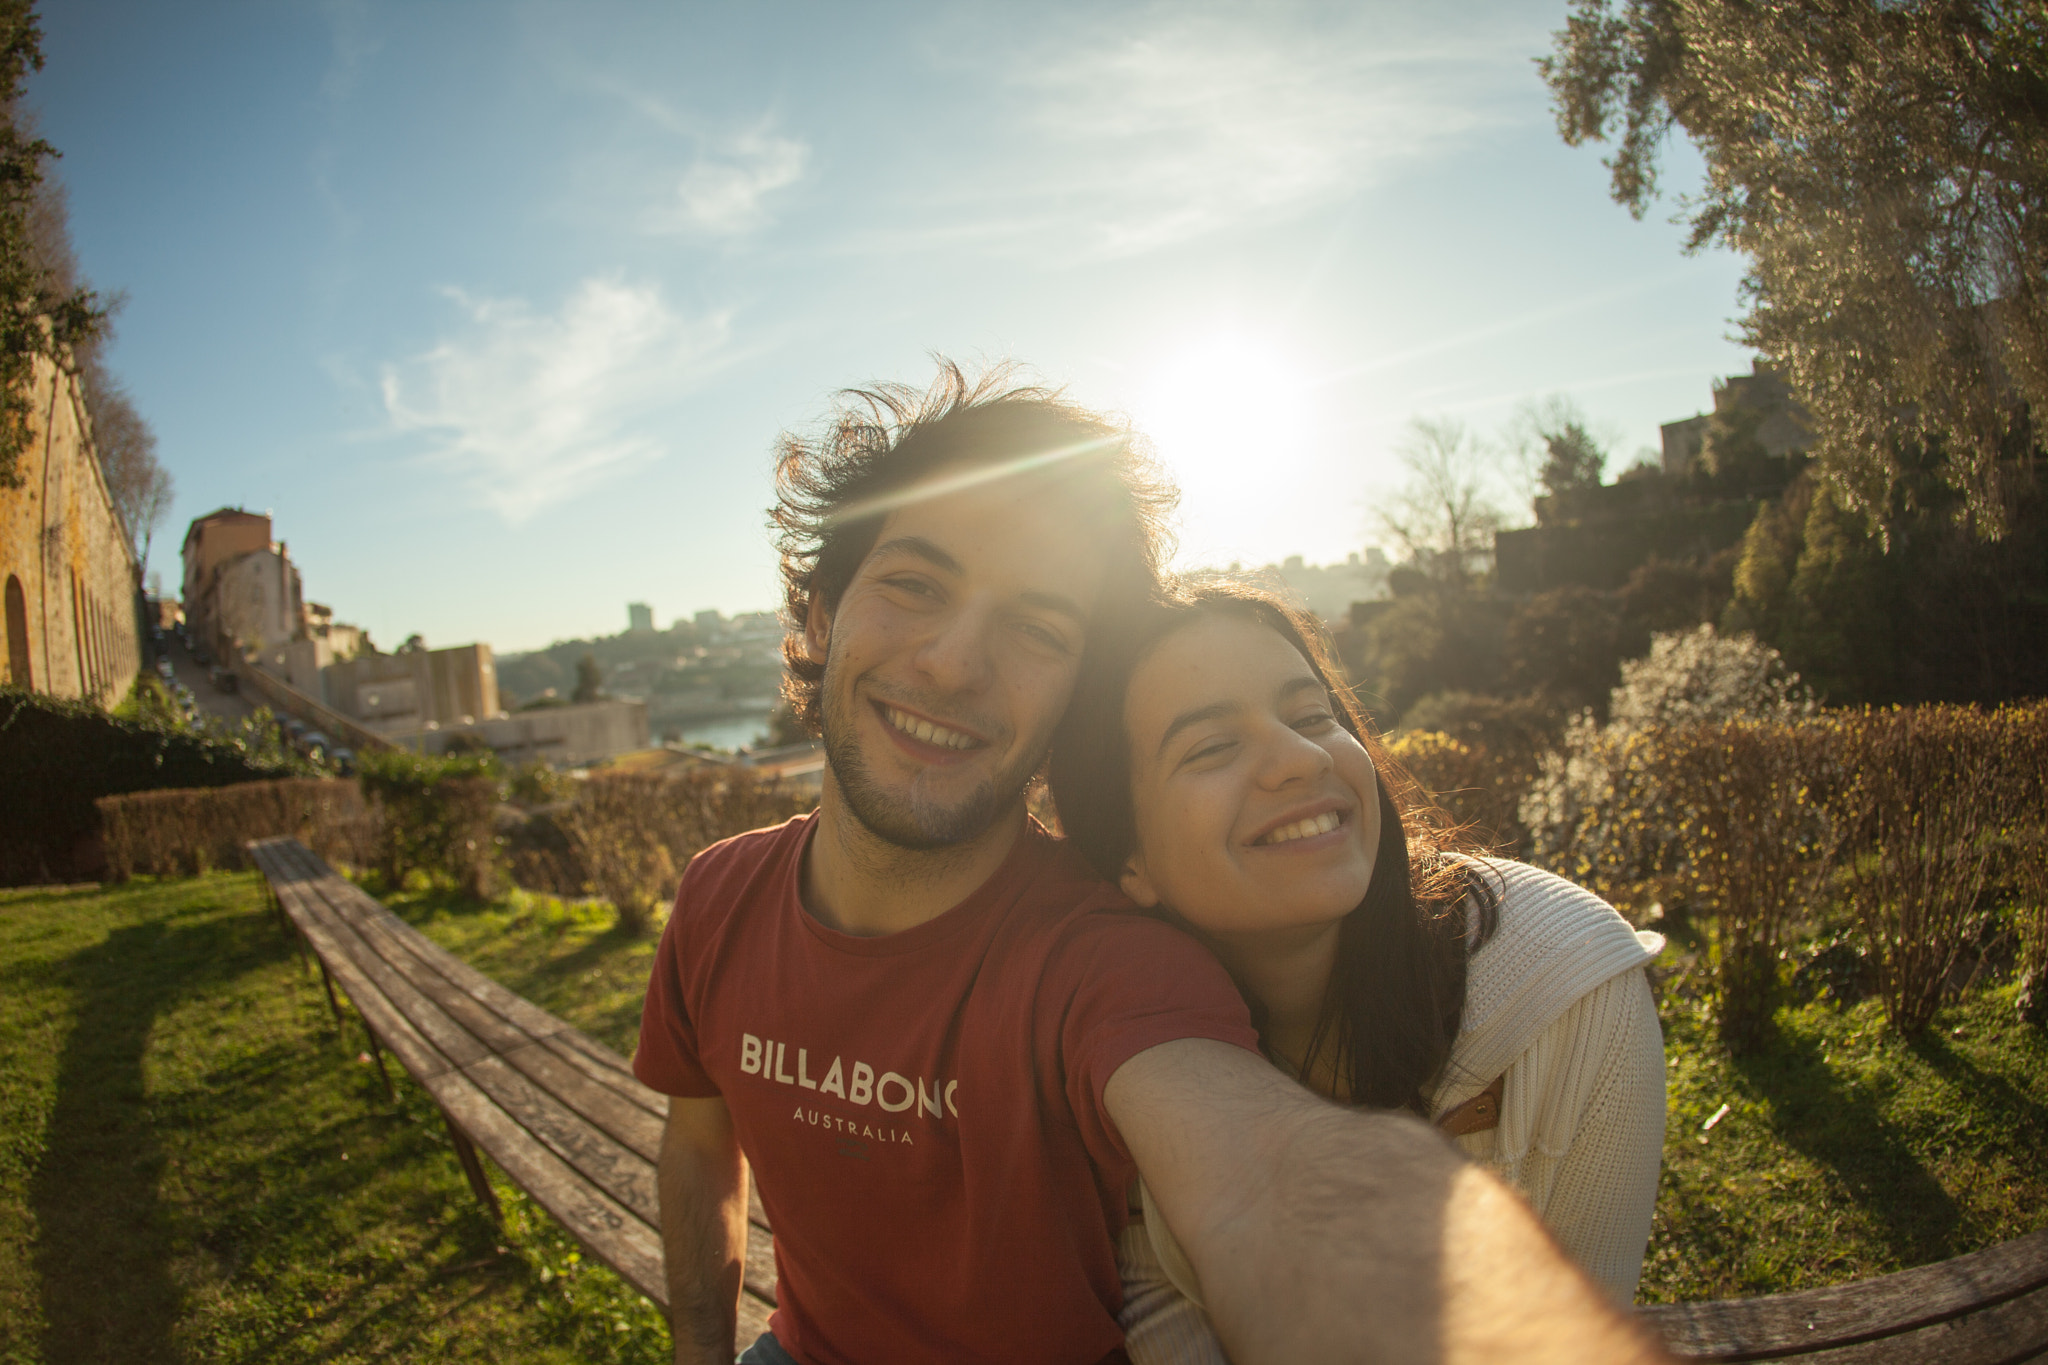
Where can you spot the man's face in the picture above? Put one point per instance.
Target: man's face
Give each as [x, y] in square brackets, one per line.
[950, 657]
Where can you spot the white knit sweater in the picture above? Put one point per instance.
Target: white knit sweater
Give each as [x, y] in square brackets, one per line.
[1557, 1001]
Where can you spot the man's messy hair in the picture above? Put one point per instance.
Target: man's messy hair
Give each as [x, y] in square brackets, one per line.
[886, 445]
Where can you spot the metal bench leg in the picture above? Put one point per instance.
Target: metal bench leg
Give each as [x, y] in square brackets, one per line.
[328, 982]
[377, 1056]
[474, 1169]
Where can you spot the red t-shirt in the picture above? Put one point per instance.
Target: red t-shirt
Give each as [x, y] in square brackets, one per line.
[923, 1111]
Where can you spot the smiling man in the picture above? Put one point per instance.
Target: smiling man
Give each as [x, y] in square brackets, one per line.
[942, 1048]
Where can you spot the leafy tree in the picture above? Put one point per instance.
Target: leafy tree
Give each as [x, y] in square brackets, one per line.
[1883, 166]
[1443, 516]
[1557, 443]
[140, 486]
[39, 315]
[1566, 646]
[589, 680]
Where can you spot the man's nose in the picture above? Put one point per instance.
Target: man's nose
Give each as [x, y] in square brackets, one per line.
[955, 656]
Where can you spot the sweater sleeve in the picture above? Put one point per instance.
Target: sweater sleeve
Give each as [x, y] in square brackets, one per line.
[1597, 1189]
[1162, 1325]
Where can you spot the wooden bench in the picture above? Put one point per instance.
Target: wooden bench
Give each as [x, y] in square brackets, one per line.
[561, 1114]
[1987, 1308]
[565, 1119]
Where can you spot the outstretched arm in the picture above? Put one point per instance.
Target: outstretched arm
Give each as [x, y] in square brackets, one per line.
[702, 1180]
[1320, 1233]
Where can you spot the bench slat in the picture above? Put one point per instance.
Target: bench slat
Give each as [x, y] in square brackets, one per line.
[624, 1122]
[611, 1232]
[386, 1019]
[2003, 1334]
[1813, 1320]
[575, 1048]
[620, 1172]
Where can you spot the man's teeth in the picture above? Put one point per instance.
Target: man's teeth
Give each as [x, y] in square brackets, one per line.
[926, 731]
[1304, 829]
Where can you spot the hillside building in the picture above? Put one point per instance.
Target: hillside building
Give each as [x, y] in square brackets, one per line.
[241, 590]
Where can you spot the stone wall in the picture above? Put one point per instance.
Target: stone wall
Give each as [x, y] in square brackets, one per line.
[67, 573]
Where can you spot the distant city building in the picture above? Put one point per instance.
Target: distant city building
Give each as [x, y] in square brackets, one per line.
[562, 736]
[1328, 590]
[69, 582]
[709, 624]
[640, 618]
[409, 690]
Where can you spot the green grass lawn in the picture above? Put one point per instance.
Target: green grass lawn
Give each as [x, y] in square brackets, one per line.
[197, 1164]
[1847, 1152]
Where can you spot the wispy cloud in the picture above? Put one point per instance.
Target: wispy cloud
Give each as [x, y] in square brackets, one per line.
[530, 409]
[1146, 129]
[723, 190]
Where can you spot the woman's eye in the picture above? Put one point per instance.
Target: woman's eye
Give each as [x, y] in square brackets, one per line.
[1212, 749]
[1314, 722]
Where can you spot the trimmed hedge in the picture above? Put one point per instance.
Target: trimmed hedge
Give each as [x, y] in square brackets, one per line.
[183, 832]
[58, 757]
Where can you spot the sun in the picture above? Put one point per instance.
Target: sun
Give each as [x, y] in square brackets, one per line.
[1230, 414]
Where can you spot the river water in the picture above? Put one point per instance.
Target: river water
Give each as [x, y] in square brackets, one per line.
[733, 732]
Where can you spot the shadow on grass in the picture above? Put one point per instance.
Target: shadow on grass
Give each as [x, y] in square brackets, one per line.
[2019, 1115]
[103, 1240]
[1843, 1128]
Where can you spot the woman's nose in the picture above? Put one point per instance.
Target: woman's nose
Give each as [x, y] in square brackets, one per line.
[1290, 756]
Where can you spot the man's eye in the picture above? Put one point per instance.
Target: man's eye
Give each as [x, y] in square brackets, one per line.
[916, 586]
[1044, 635]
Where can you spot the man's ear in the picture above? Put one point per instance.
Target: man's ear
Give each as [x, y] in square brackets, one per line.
[817, 630]
[1136, 884]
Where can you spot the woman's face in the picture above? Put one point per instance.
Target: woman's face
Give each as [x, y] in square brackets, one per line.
[1256, 810]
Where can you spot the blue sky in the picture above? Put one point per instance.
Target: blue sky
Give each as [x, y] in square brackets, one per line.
[500, 308]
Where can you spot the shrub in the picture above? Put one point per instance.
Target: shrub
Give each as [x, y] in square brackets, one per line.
[1502, 743]
[1926, 795]
[183, 832]
[1757, 845]
[633, 833]
[1600, 811]
[436, 815]
[58, 757]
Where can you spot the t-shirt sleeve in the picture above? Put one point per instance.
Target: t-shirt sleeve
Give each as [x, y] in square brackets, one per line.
[667, 1056]
[1136, 983]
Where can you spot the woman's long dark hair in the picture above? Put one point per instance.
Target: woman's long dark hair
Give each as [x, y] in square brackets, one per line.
[1397, 992]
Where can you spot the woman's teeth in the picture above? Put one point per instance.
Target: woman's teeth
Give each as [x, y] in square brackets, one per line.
[926, 731]
[1305, 829]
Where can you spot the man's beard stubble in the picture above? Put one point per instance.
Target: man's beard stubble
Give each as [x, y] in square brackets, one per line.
[921, 824]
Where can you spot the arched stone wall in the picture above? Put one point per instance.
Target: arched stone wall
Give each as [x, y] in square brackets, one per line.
[65, 558]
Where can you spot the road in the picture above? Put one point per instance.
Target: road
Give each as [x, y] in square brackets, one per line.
[210, 700]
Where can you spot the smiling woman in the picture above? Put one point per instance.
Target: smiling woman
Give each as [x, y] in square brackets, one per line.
[1212, 764]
